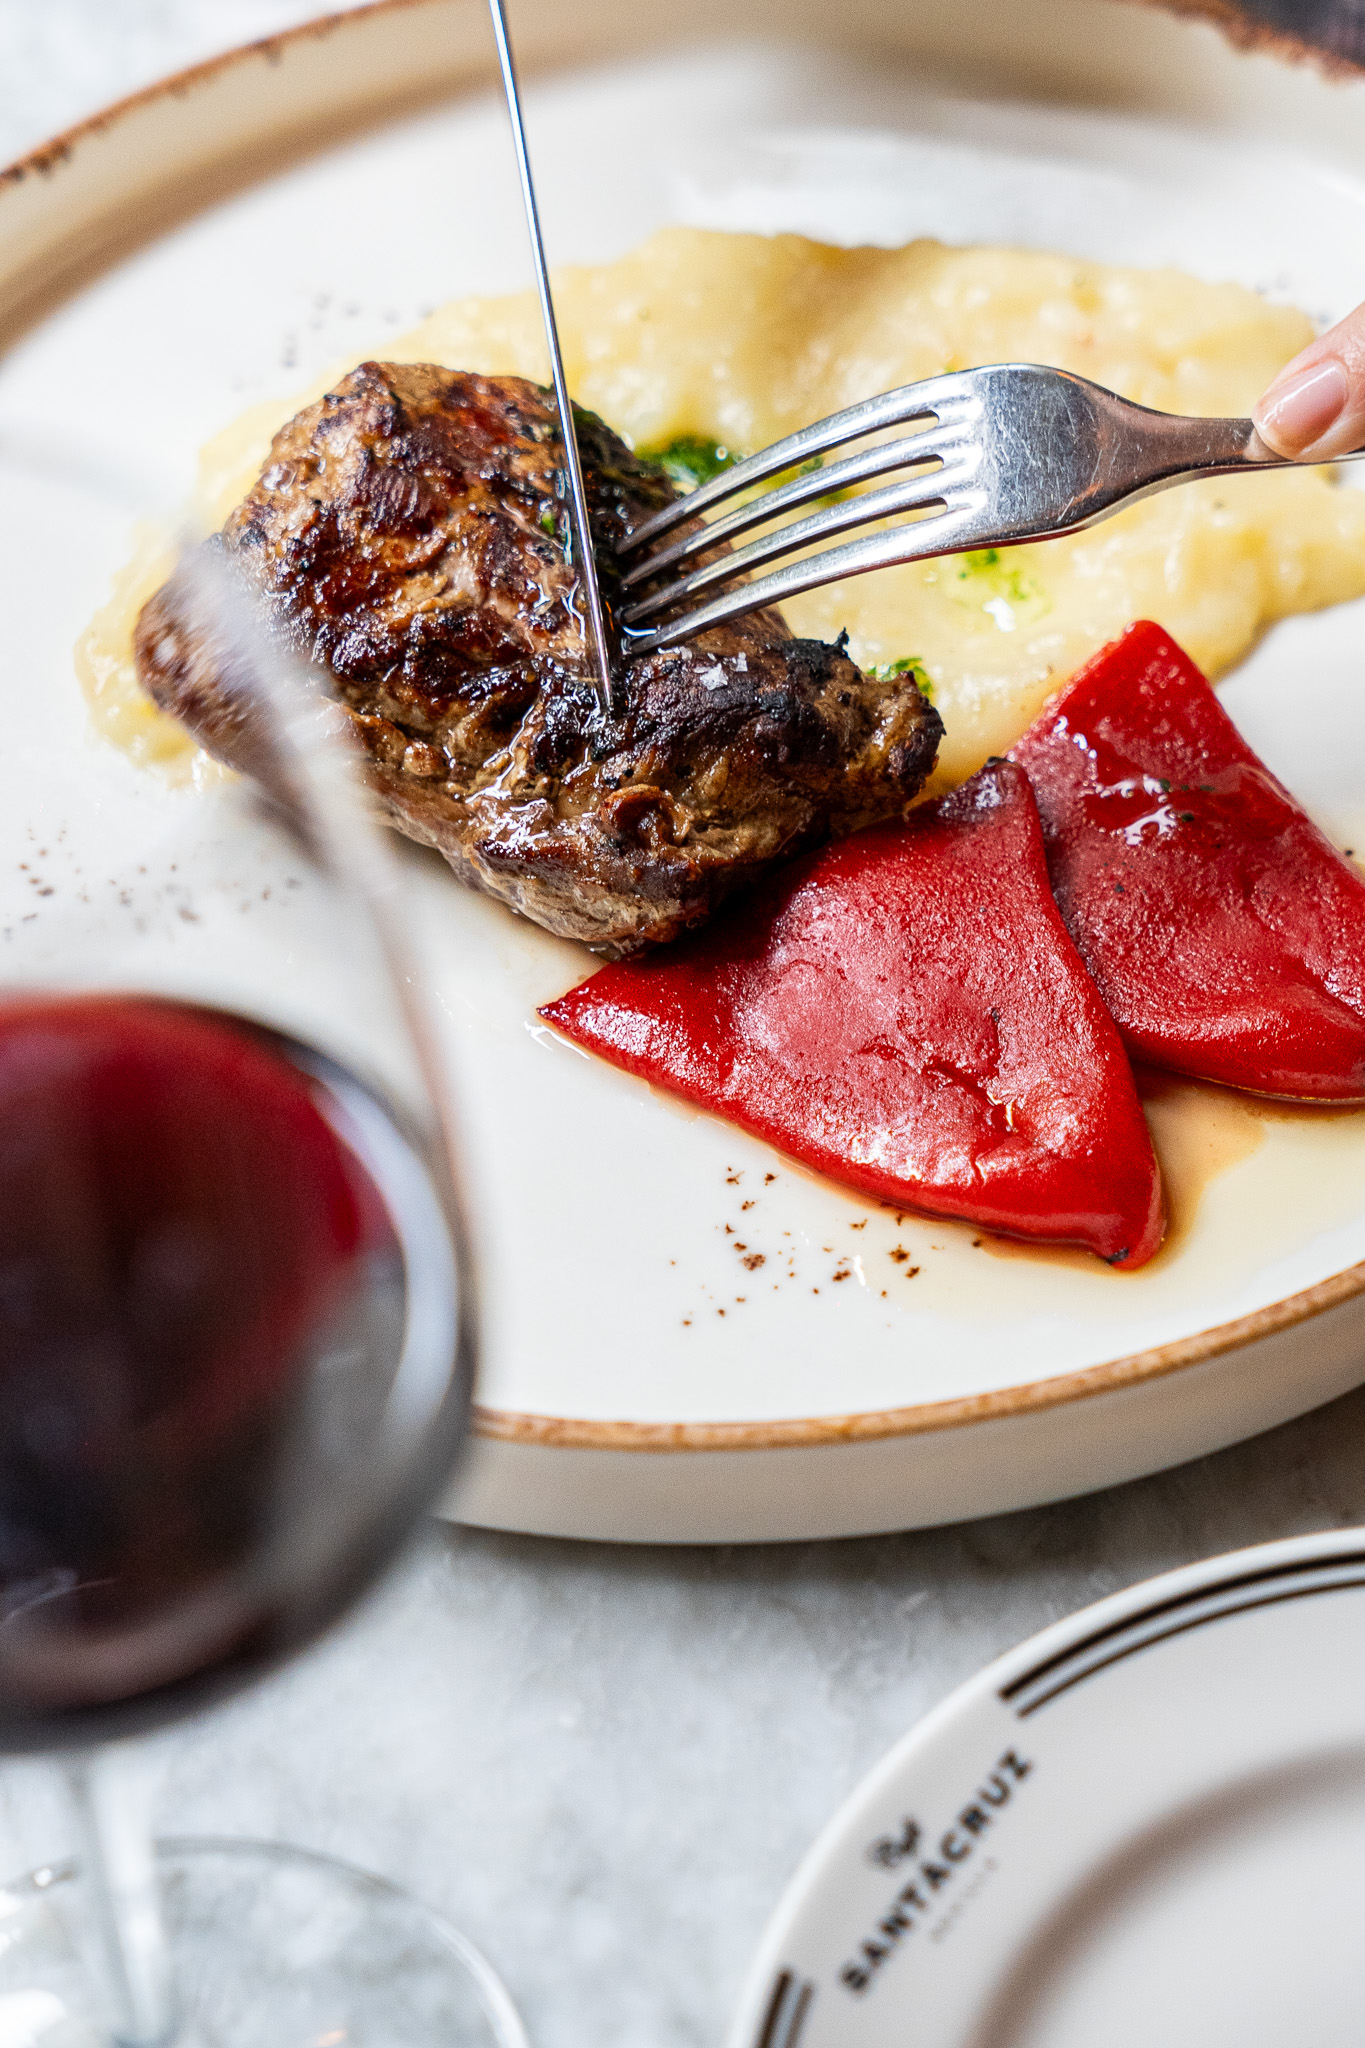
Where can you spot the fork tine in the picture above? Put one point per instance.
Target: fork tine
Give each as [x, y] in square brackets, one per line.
[1047, 453]
[916, 494]
[934, 444]
[955, 527]
[941, 397]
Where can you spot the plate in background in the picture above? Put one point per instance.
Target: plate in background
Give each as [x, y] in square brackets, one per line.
[220, 239]
[1146, 1825]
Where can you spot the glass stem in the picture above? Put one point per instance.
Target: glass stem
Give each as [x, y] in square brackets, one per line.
[124, 1925]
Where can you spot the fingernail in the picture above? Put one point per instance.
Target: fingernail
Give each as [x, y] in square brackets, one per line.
[1295, 414]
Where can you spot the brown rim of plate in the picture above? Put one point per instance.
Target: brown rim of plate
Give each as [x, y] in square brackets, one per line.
[554, 1432]
[177, 84]
[1247, 32]
[1035, 1396]
[1241, 29]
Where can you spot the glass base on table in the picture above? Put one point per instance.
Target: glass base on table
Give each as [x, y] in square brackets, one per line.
[271, 1947]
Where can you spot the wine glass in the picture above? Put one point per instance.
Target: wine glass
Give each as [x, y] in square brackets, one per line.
[237, 1334]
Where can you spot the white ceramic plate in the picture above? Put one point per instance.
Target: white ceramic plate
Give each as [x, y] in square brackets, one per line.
[1145, 1826]
[221, 239]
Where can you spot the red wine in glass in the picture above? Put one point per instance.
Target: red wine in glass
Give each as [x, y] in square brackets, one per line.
[237, 1342]
[226, 1289]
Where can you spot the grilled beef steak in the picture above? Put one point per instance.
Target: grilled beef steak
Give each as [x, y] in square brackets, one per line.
[410, 537]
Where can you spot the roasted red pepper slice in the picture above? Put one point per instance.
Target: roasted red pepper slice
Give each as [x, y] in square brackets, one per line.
[905, 1012]
[1226, 934]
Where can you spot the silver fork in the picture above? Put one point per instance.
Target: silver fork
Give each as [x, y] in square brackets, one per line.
[1019, 453]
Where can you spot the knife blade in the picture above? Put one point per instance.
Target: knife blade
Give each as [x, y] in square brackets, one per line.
[585, 561]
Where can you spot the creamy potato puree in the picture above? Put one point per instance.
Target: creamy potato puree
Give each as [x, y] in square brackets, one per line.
[739, 339]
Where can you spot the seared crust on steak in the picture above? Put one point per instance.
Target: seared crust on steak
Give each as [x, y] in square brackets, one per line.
[409, 536]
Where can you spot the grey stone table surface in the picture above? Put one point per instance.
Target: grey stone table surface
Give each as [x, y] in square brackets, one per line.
[604, 1762]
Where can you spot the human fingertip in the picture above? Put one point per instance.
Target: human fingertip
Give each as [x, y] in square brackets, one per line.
[1300, 409]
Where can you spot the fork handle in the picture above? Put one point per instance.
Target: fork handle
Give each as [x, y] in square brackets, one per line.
[1130, 452]
[1179, 447]
[1138, 452]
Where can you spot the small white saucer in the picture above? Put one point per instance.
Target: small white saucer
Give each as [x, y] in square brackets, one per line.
[1144, 1826]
